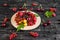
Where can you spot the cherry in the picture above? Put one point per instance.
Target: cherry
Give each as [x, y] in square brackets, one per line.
[44, 24]
[31, 8]
[38, 9]
[34, 34]
[34, 4]
[53, 14]
[3, 25]
[25, 8]
[48, 22]
[53, 9]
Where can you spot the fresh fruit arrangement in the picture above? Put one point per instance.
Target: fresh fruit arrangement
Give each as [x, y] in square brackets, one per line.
[25, 18]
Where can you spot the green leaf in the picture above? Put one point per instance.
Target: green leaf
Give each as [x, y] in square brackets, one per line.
[48, 14]
[36, 15]
[20, 26]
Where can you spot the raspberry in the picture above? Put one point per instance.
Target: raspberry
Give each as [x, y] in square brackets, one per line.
[13, 35]
[34, 34]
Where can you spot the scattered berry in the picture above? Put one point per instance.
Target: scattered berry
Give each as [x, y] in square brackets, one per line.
[34, 34]
[13, 35]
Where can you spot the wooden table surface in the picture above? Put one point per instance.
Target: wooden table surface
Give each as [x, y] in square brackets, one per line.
[52, 32]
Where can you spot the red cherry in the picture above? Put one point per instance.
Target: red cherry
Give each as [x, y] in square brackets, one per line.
[53, 14]
[38, 9]
[34, 4]
[31, 8]
[34, 34]
[14, 9]
[3, 25]
[44, 24]
[48, 22]
[53, 9]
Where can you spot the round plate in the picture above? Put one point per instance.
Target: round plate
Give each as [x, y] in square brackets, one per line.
[13, 22]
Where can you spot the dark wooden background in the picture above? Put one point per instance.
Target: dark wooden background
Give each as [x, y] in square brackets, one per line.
[51, 32]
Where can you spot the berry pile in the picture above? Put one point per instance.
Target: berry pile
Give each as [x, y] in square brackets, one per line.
[26, 17]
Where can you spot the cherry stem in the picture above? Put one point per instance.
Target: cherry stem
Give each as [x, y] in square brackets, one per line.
[40, 6]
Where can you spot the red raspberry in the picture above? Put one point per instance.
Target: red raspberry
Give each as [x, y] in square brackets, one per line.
[44, 24]
[13, 35]
[49, 22]
[34, 34]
